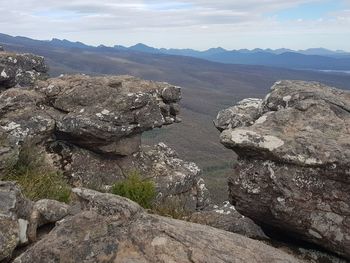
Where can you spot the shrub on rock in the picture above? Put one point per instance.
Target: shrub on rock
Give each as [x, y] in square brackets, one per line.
[142, 191]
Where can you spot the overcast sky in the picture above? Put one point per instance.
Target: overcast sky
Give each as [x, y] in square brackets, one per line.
[198, 24]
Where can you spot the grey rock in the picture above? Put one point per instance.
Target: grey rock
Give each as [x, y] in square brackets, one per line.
[9, 151]
[9, 237]
[99, 113]
[23, 116]
[227, 218]
[51, 211]
[124, 147]
[22, 119]
[294, 169]
[117, 230]
[46, 211]
[21, 69]
[243, 114]
[12, 203]
[84, 168]
[107, 204]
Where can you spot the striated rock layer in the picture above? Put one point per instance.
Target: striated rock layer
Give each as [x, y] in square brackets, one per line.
[293, 171]
[114, 229]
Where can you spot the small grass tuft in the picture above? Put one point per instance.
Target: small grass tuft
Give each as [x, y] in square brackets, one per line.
[173, 207]
[142, 191]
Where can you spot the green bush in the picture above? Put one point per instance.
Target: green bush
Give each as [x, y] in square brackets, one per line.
[142, 191]
[37, 179]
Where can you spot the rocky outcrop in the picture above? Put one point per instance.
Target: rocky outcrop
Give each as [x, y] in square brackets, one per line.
[293, 171]
[20, 69]
[114, 229]
[90, 128]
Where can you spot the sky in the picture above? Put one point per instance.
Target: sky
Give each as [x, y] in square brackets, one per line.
[197, 24]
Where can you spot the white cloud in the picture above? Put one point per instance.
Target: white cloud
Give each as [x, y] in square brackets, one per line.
[175, 23]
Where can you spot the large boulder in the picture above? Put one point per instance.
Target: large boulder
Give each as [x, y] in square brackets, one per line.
[105, 114]
[115, 229]
[20, 69]
[293, 171]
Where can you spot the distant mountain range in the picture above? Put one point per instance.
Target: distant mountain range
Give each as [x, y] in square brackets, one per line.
[313, 58]
[219, 50]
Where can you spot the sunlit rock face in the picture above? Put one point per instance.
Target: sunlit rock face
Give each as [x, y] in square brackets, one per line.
[294, 161]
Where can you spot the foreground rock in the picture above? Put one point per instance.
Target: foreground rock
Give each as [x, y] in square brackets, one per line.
[20, 218]
[114, 229]
[226, 217]
[294, 167]
[14, 212]
[20, 69]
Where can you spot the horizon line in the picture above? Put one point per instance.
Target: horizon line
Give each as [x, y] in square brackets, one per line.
[169, 48]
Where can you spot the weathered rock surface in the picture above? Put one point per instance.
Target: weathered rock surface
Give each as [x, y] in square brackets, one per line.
[226, 217]
[20, 69]
[114, 229]
[104, 114]
[294, 167]
[90, 128]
